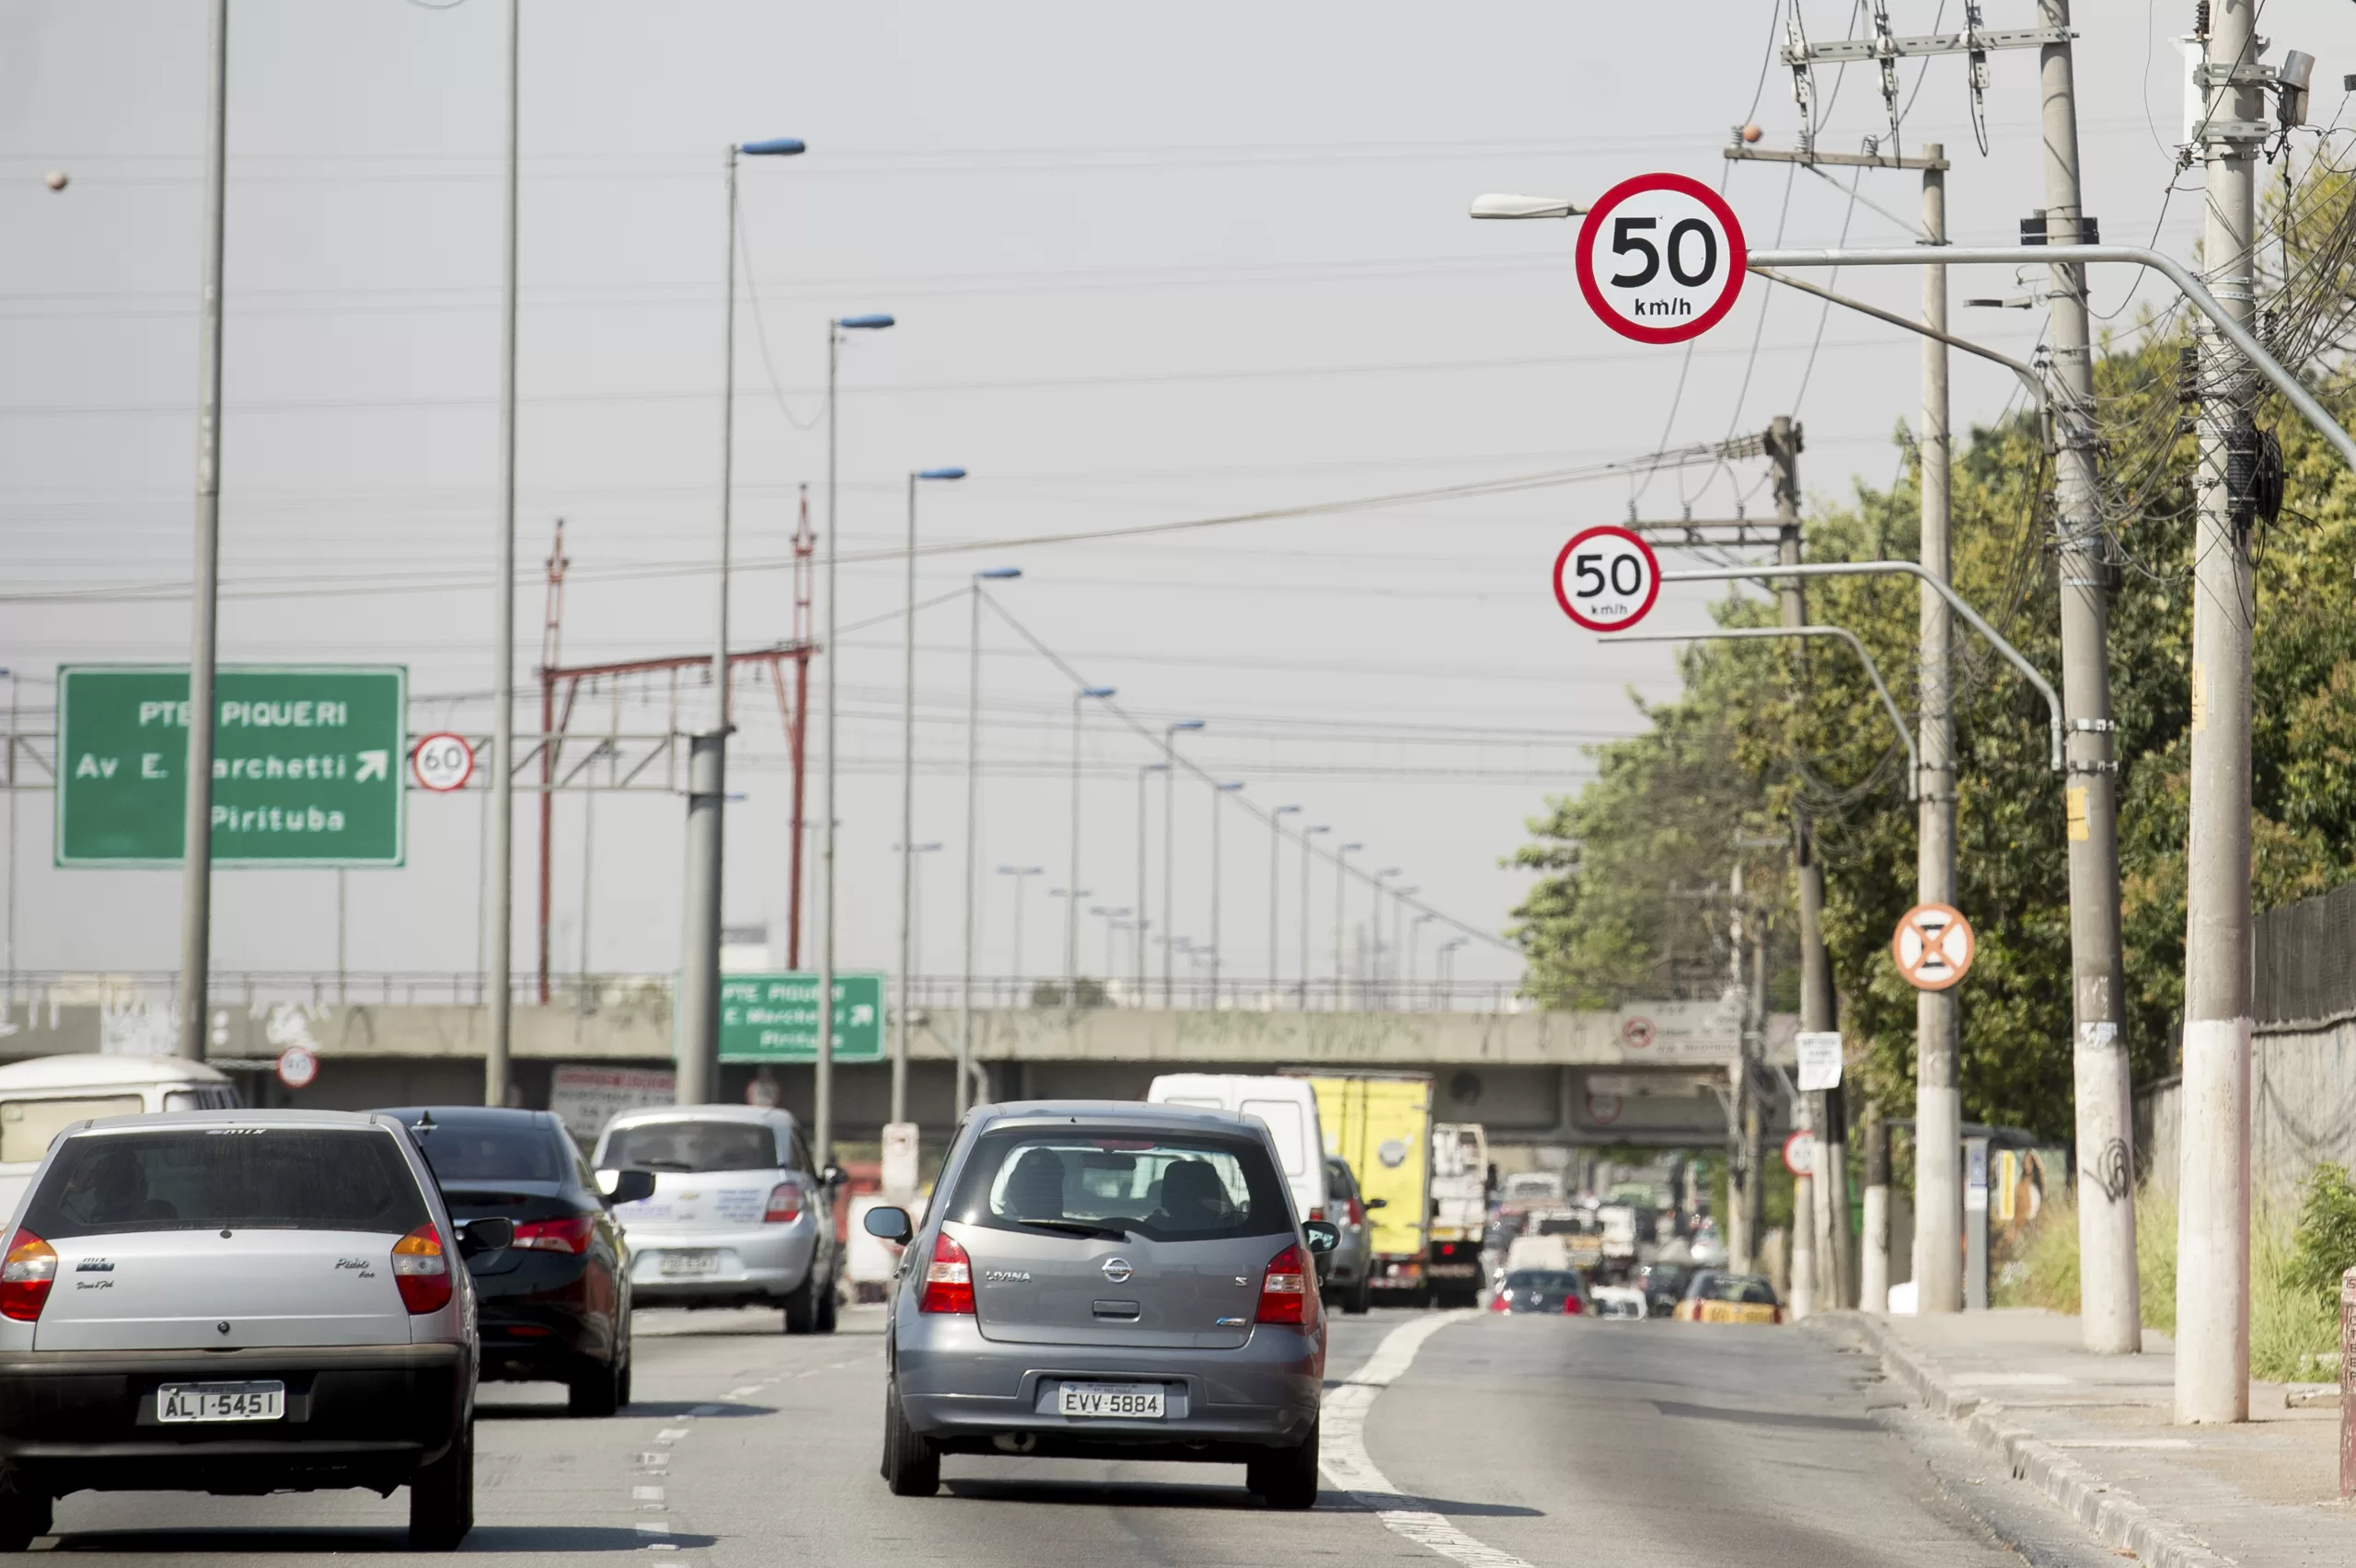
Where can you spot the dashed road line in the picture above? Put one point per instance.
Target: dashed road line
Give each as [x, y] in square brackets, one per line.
[1343, 1453]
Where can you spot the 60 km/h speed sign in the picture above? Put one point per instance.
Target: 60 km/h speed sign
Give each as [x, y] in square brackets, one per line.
[1661, 258]
[1607, 578]
[442, 762]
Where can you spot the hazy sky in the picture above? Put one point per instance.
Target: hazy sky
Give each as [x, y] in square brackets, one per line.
[1149, 265]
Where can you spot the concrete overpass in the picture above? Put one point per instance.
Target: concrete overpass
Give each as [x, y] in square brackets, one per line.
[1645, 1075]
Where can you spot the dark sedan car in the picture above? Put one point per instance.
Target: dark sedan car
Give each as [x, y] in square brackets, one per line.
[1559, 1291]
[1663, 1285]
[555, 1305]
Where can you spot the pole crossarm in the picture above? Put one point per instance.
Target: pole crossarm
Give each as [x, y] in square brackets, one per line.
[1932, 256]
[2195, 293]
[1906, 569]
[1872, 672]
[1976, 41]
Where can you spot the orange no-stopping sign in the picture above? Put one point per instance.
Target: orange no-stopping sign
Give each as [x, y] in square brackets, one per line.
[1933, 946]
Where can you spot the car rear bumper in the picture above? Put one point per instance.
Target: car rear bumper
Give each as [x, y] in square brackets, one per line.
[751, 1264]
[356, 1415]
[963, 1391]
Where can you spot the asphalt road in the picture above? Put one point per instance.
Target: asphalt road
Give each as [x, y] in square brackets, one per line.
[1539, 1441]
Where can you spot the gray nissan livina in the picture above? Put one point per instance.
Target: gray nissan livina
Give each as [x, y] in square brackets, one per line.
[1107, 1280]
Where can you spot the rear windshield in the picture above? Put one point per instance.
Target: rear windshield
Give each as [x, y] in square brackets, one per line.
[1748, 1289]
[462, 1153]
[1542, 1279]
[226, 1178]
[1166, 1186]
[693, 1145]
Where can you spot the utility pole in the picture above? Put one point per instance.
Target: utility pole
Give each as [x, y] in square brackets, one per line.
[2110, 1315]
[204, 602]
[1873, 1274]
[1306, 833]
[2213, 1245]
[1743, 1169]
[501, 848]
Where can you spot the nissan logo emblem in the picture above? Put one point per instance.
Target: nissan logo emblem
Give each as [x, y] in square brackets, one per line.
[1117, 1269]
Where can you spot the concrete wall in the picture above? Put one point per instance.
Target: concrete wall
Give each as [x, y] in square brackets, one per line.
[2303, 1110]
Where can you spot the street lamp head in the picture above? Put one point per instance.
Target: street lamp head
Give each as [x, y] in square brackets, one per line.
[1320, 828]
[1237, 785]
[1351, 848]
[998, 575]
[1098, 691]
[1286, 811]
[775, 147]
[1155, 767]
[1501, 205]
[1185, 724]
[1388, 871]
[875, 321]
[938, 474]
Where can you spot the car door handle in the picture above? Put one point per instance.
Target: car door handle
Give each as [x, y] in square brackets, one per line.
[1123, 1310]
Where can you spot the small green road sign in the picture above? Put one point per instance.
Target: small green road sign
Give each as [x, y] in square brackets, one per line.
[774, 1018]
[307, 765]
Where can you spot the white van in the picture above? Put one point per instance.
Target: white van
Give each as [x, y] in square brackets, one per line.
[42, 1096]
[1289, 1107]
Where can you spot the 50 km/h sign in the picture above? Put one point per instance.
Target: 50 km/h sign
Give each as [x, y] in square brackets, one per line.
[1661, 258]
[1607, 578]
[307, 765]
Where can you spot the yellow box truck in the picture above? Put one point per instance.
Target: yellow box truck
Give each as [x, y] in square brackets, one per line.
[1381, 1122]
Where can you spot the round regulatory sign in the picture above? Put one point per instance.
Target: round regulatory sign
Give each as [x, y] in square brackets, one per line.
[297, 1065]
[1607, 578]
[1932, 945]
[442, 762]
[1799, 1153]
[1661, 258]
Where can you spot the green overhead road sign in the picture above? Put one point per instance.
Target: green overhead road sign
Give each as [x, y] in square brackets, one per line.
[774, 1018]
[307, 765]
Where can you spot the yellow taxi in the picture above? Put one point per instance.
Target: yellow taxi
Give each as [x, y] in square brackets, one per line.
[1716, 1297]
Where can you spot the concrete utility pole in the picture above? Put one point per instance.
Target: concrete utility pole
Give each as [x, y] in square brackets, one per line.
[499, 846]
[1872, 1273]
[2110, 1315]
[2213, 1243]
[204, 602]
[1827, 1221]
[1939, 1102]
[1742, 1167]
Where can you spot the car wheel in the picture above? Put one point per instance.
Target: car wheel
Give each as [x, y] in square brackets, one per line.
[801, 1305]
[1360, 1297]
[23, 1516]
[621, 1387]
[829, 1307]
[1286, 1478]
[441, 1497]
[596, 1390]
[911, 1464]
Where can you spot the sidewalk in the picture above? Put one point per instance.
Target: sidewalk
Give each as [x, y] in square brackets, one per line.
[2094, 1434]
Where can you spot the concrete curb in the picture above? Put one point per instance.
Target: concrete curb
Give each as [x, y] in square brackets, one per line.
[2116, 1517]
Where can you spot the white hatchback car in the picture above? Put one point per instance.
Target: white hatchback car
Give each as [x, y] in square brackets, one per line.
[740, 1215]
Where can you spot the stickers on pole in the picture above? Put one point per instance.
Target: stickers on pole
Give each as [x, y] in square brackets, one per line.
[442, 762]
[1661, 258]
[1819, 1053]
[1607, 578]
[1932, 947]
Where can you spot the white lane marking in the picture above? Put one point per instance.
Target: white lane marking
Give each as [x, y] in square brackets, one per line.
[653, 1528]
[646, 1494]
[745, 1392]
[653, 1457]
[670, 1435]
[1342, 1448]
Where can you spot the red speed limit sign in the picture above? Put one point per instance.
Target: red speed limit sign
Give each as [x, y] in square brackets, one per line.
[1607, 578]
[1661, 258]
[442, 762]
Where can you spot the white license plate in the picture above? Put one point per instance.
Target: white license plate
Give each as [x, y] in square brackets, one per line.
[221, 1402]
[1118, 1402]
[689, 1262]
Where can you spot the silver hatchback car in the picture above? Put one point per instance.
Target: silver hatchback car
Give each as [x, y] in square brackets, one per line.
[1108, 1280]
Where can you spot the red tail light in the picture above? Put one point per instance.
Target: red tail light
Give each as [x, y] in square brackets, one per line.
[1500, 1302]
[1317, 1211]
[26, 1276]
[784, 1205]
[572, 1234]
[421, 1270]
[1571, 1305]
[1777, 1318]
[1358, 1212]
[1284, 1290]
[948, 1279]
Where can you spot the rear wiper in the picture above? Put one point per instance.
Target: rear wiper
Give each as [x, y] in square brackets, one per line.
[1079, 1228]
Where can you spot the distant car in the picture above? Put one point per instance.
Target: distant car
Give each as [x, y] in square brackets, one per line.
[555, 1306]
[1559, 1291]
[1716, 1297]
[1348, 1282]
[240, 1302]
[1618, 1301]
[740, 1214]
[1108, 1280]
[1664, 1286]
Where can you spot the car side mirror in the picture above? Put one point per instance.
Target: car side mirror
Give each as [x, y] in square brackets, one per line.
[836, 1176]
[619, 1187]
[890, 1224]
[491, 1234]
[1324, 1236]
[1373, 1203]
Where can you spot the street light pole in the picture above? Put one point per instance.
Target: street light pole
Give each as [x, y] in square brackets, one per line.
[1375, 961]
[204, 609]
[1305, 835]
[909, 796]
[823, 1070]
[1340, 860]
[1019, 873]
[1217, 792]
[1169, 839]
[1071, 909]
[973, 824]
[1140, 931]
[1276, 845]
[501, 848]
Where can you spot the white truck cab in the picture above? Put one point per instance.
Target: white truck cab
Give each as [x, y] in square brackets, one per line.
[44, 1095]
[1287, 1105]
